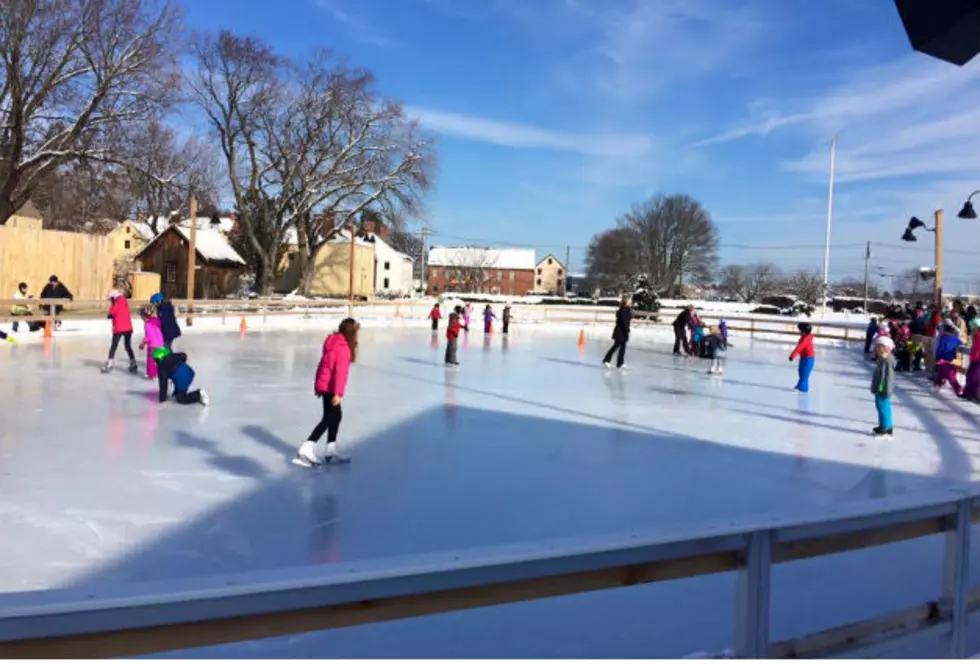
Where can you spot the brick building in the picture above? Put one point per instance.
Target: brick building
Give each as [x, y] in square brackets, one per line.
[480, 270]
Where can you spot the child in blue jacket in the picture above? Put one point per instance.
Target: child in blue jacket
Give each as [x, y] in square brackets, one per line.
[173, 368]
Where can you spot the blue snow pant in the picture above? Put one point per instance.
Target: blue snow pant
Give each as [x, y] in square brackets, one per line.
[884, 406]
[806, 368]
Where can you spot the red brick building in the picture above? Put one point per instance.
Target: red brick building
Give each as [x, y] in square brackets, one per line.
[480, 270]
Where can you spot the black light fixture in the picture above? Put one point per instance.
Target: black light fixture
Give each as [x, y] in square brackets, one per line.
[909, 236]
[915, 224]
[968, 212]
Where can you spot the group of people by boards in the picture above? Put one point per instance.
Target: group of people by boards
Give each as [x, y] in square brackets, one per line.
[53, 290]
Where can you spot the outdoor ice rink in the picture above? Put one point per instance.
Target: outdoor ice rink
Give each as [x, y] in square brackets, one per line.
[530, 440]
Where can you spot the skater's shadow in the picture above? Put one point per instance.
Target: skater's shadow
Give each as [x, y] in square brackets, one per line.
[150, 395]
[264, 437]
[797, 420]
[234, 464]
[428, 363]
[97, 364]
[573, 363]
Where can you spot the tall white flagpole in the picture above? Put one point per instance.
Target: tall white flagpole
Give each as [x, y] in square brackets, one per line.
[830, 219]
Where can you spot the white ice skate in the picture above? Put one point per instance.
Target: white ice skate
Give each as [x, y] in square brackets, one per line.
[306, 456]
[332, 455]
[607, 365]
[107, 367]
[134, 368]
[205, 399]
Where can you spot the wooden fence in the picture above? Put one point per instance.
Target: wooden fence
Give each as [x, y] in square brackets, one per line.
[82, 262]
[127, 621]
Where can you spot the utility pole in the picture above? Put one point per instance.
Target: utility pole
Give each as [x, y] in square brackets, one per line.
[353, 240]
[867, 259]
[938, 281]
[424, 234]
[568, 269]
[192, 263]
[830, 218]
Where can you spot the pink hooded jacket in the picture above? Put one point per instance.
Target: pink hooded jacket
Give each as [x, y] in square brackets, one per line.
[122, 320]
[975, 348]
[153, 333]
[331, 373]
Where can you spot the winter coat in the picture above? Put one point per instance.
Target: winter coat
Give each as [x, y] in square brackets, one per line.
[122, 319]
[435, 314]
[684, 319]
[18, 309]
[975, 348]
[168, 321]
[174, 368]
[804, 348]
[933, 325]
[883, 378]
[488, 316]
[152, 333]
[624, 317]
[452, 330]
[507, 315]
[723, 329]
[715, 346]
[331, 373]
[59, 292]
[872, 329]
[946, 347]
[919, 326]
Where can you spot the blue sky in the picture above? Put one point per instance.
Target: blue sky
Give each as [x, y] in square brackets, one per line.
[553, 116]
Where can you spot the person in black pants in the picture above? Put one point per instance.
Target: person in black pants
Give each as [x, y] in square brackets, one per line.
[621, 333]
[681, 325]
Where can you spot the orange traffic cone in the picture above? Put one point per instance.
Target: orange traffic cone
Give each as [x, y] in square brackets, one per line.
[242, 327]
[47, 329]
[581, 338]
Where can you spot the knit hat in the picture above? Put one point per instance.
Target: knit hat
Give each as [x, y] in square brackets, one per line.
[156, 298]
[160, 353]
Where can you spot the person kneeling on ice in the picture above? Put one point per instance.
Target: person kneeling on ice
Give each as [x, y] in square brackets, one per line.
[716, 349]
[339, 352]
[882, 386]
[173, 368]
[807, 357]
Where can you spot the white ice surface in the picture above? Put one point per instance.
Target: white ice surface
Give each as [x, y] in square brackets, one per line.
[528, 440]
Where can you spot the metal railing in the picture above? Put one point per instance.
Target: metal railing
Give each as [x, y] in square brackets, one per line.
[191, 613]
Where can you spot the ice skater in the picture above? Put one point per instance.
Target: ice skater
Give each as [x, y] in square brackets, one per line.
[681, 324]
[972, 390]
[620, 335]
[173, 368]
[152, 338]
[506, 319]
[339, 352]
[467, 314]
[434, 316]
[122, 328]
[452, 339]
[804, 349]
[9, 338]
[869, 335]
[716, 348]
[948, 348]
[882, 386]
[168, 319]
[488, 317]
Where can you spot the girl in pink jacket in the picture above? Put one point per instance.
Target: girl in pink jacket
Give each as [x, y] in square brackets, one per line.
[339, 351]
[152, 338]
[122, 328]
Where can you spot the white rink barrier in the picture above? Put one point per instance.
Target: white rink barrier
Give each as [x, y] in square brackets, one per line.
[178, 614]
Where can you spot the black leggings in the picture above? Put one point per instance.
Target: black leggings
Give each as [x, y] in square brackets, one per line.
[329, 423]
[127, 338]
[680, 338]
[617, 346]
[187, 398]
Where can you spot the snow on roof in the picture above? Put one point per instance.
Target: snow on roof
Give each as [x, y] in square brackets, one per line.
[212, 245]
[502, 259]
[225, 224]
[377, 239]
[143, 229]
[343, 236]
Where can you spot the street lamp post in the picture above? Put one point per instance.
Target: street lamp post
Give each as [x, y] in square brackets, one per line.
[909, 236]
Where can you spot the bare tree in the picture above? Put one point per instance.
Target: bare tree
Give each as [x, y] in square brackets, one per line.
[677, 240]
[613, 260]
[164, 172]
[806, 285]
[749, 283]
[910, 283]
[469, 270]
[308, 147]
[74, 74]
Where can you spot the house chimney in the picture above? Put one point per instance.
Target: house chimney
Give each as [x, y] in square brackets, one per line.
[368, 228]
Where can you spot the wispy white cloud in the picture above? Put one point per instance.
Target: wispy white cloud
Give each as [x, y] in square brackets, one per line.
[359, 29]
[524, 136]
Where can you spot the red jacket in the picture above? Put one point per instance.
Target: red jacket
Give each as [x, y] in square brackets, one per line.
[122, 319]
[435, 314]
[331, 373]
[804, 348]
[452, 331]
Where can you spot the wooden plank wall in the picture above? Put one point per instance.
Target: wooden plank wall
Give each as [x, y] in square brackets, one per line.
[82, 262]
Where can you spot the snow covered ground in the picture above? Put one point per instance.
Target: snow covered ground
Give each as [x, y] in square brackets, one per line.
[528, 441]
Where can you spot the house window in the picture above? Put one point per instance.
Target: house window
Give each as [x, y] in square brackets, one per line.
[558, 283]
[386, 280]
[500, 275]
[559, 272]
[170, 273]
[435, 289]
[512, 277]
[549, 261]
[539, 282]
[435, 273]
[387, 265]
[128, 230]
[539, 270]
[127, 243]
